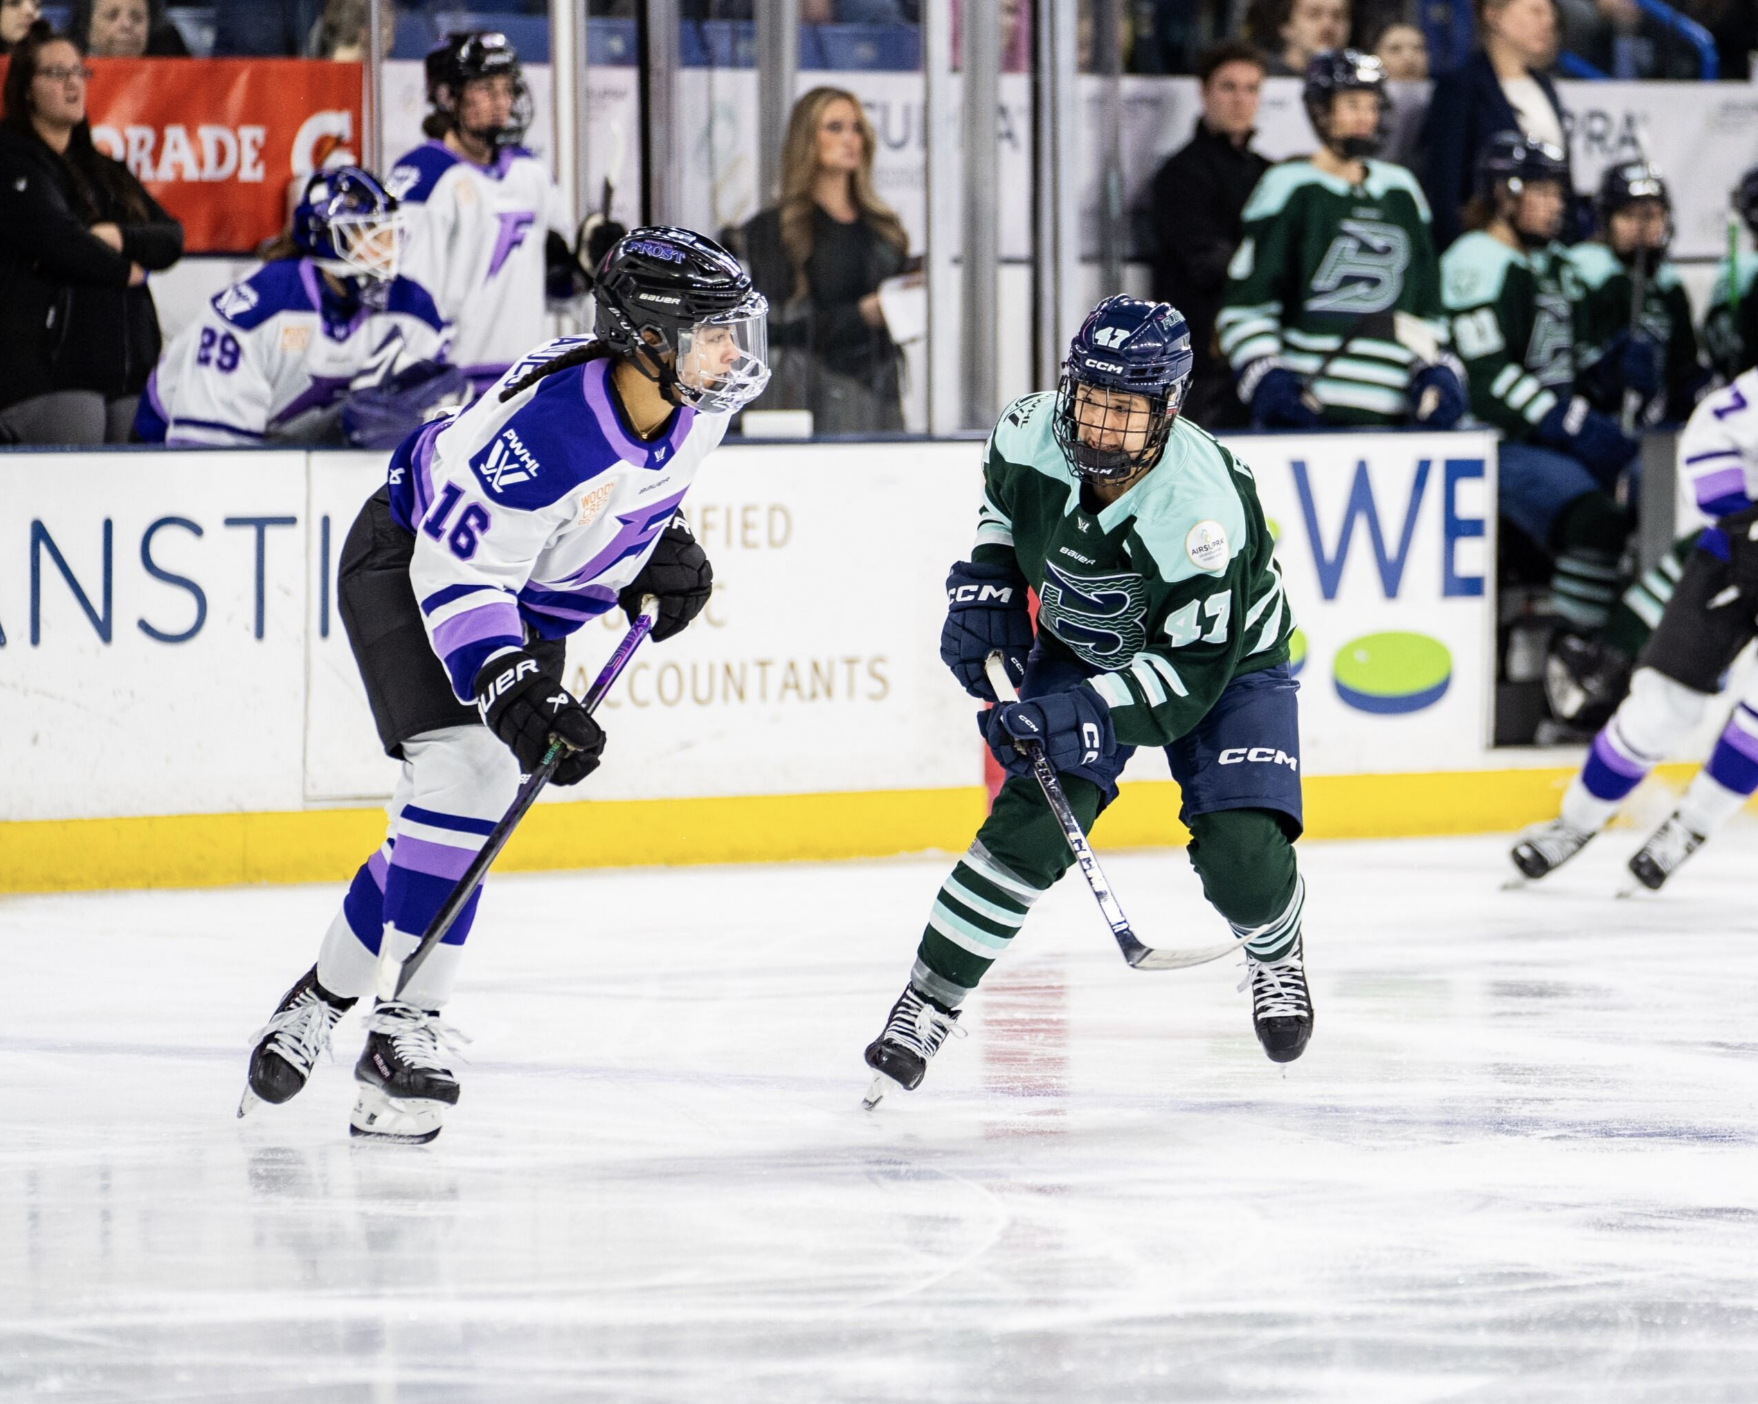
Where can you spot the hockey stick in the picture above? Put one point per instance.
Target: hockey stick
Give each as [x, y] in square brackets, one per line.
[1140, 957]
[1365, 323]
[393, 975]
[1638, 297]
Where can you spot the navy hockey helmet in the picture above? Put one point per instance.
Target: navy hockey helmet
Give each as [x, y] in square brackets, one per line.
[1508, 163]
[1344, 71]
[1624, 185]
[1746, 200]
[349, 224]
[1125, 347]
[466, 58]
[683, 310]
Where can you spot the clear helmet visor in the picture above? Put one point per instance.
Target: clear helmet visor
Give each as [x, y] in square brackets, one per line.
[370, 245]
[723, 362]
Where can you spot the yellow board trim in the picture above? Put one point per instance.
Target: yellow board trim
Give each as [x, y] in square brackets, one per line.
[326, 845]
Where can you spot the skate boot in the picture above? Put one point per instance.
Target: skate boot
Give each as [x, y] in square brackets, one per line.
[1584, 680]
[405, 1086]
[1667, 847]
[913, 1033]
[1545, 847]
[1281, 1005]
[289, 1045]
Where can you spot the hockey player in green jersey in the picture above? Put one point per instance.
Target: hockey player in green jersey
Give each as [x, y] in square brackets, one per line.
[1730, 328]
[1648, 373]
[1509, 291]
[1162, 622]
[1333, 307]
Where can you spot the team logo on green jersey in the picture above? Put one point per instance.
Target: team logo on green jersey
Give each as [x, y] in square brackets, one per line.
[1363, 270]
[1101, 617]
[1550, 354]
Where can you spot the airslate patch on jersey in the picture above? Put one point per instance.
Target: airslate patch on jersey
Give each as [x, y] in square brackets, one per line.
[1206, 545]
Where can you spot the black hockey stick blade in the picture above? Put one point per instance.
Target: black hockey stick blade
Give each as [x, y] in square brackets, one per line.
[392, 976]
[1138, 956]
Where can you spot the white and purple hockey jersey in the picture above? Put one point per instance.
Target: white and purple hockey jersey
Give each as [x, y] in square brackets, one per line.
[477, 238]
[537, 511]
[1718, 459]
[271, 359]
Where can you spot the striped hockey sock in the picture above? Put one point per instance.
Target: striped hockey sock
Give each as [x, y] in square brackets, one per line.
[1728, 777]
[1276, 937]
[350, 947]
[1584, 587]
[973, 920]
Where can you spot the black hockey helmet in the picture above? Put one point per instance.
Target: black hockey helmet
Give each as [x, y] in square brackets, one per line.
[466, 58]
[683, 310]
[1344, 71]
[1746, 200]
[1508, 163]
[1623, 185]
[1128, 346]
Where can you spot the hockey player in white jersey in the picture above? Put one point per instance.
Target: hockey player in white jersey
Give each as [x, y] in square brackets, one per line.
[488, 228]
[1709, 619]
[278, 356]
[499, 532]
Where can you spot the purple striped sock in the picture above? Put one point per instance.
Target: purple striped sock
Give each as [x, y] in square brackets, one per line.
[364, 906]
[1610, 774]
[1734, 761]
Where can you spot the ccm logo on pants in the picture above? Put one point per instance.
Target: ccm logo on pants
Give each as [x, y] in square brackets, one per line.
[1258, 755]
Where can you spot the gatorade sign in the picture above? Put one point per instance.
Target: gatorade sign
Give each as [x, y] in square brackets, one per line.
[219, 142]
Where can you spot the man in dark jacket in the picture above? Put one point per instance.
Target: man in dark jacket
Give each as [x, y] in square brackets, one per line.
[1197, 199]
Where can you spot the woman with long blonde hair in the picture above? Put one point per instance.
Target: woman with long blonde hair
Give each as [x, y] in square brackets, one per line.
[819, 257]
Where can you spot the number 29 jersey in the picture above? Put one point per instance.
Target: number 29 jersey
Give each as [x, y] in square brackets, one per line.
[1171, 591]
[535, 512]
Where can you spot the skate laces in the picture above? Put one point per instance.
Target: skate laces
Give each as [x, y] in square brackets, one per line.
[919, 1026]
[1278, 987]
[420, 1039]
[1671, 844]
[300, 1033]
[1554, 841]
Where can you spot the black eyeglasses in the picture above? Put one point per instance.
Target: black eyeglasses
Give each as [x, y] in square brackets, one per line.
[61, 73]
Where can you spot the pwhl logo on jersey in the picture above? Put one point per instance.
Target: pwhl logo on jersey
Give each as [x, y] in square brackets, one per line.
[505, 463]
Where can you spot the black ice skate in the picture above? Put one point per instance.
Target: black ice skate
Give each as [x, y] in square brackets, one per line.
[913, 1033]
[289, 1045]
[1667, 847]
[1584, 680]
[1545, 847]
[1281, 1005]
[405, 1086]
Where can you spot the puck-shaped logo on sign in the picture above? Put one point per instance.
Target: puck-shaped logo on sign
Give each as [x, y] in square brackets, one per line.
[1394, 672]
[1206, 545]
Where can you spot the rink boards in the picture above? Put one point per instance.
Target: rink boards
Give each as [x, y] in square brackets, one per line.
[179, 705]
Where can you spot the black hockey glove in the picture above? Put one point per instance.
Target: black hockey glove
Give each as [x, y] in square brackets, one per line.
[678, 575]
[1741, 530]
[525, 708]
[986, 610]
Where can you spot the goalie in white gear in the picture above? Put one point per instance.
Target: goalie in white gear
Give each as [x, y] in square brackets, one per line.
[279, 356]
[488, 227]
[1709, 620]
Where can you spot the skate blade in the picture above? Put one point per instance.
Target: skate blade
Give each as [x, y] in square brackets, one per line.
[248, 1103]
[408, 1121]
[876, 1090]
[1519, 882]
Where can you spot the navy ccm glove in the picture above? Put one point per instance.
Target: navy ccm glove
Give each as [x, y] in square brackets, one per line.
[986, 611]
[1449, 402]
[1574, 427]
[1278, 401]
[1074, 728]
[524, 708]
[678, 575]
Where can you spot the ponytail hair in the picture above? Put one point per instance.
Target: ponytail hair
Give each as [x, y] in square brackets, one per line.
[594, 350]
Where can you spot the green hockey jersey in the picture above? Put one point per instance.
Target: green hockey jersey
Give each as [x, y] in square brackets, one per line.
[1512, 327]
[1603, 310]
[1730, 328]
[1321, 264]
[1171, 591]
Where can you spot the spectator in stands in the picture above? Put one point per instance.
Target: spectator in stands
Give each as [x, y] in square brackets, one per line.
[819, 257]
[340, 33]
[1500, 88]
[1196, 203]
[127, 29]
[267, 27]
[1402, 52]
[1619, 40]
[1291, 31]
[16, 18]
[78, 234]
[1734, 26]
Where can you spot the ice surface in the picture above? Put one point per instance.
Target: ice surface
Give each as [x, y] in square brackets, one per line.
[1517, 1163]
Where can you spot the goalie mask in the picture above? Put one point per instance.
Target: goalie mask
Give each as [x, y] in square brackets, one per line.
[1123, 384]
[350, 225]
[683, 311]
